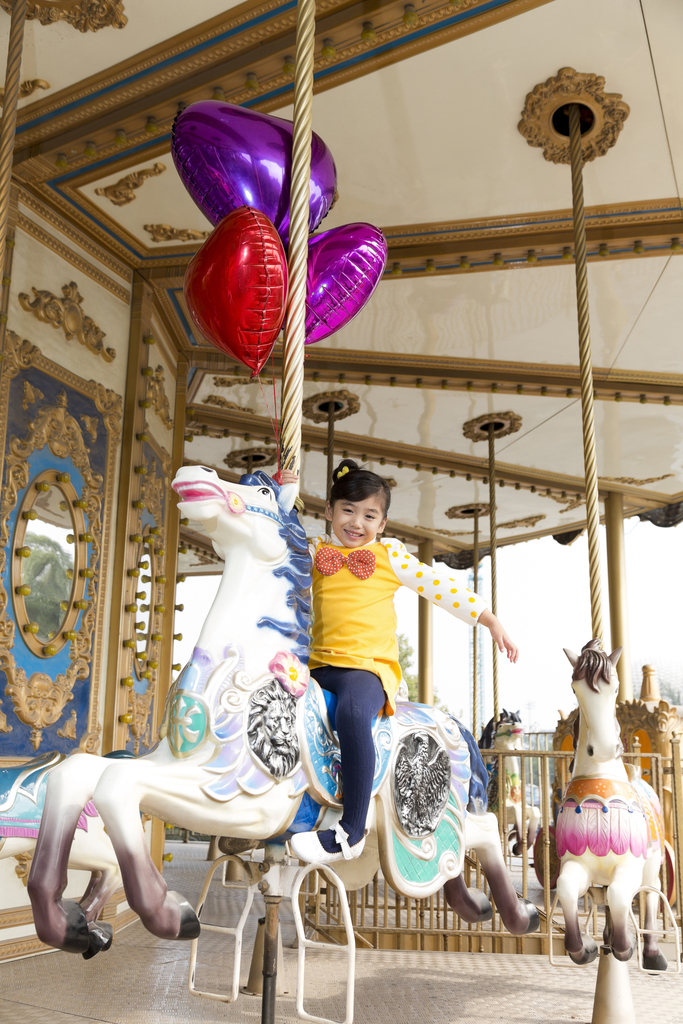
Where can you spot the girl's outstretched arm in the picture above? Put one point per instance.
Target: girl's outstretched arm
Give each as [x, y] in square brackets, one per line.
[498, 634]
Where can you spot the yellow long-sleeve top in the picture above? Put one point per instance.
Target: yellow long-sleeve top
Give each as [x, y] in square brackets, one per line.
[354, 621]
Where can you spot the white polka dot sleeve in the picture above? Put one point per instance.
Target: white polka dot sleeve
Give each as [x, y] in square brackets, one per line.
[434, 584]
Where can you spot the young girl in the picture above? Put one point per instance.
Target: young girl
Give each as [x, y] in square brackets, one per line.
[354, 650]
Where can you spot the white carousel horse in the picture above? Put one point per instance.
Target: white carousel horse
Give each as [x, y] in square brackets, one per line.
[609, 828]
[22, 798]
[248, 749]
[507, 733]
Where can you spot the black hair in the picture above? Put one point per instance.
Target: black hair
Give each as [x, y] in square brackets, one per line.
[351, 483]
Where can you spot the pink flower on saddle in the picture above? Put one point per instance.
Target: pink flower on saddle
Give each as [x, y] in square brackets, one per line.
[290, 673]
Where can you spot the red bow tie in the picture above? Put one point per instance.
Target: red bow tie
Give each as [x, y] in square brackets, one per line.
[329, 561]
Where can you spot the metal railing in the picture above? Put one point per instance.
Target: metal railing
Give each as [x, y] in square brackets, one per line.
[385, 919]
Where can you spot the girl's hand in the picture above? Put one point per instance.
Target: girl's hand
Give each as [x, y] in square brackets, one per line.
[499, 635]
[288, 477]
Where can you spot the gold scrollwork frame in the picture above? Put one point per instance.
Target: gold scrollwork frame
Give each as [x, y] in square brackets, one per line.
[53, 427]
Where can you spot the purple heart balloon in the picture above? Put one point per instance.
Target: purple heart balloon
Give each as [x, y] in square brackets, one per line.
[229, 156]
[344, 268]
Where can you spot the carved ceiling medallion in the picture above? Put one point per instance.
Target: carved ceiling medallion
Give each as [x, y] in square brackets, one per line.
[503, 423]
[165, 233]
[68, 314]
[249, 459]
[122, 192]
[569, 86]
[84, 15]
[317, 407]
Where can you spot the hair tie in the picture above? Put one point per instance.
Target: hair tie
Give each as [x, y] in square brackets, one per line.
[342, 472]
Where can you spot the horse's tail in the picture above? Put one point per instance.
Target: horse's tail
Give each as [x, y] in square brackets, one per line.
[478, 802]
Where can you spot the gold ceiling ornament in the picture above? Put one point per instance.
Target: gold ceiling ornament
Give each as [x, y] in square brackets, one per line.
[165, 233]
[223, 403]
[27, 89]
[504, 423]
[633, 481]
[4, 726]
[122, 192]
[68, 314]
[469, 511]
[249, 459]
[567, 87]
[231, 382]
[156, 394]
[317, 407]
[84, 15]
[515, 524]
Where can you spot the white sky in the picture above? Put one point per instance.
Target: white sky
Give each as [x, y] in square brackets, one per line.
[543, 602]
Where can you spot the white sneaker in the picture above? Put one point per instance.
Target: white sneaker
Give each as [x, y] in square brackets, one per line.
[308, 847]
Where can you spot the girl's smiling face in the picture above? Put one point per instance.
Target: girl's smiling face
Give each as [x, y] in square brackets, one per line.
[356, 523]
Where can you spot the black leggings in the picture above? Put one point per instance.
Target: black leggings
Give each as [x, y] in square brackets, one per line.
[360, 697]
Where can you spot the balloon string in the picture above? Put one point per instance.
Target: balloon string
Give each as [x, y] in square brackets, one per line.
[272, 417]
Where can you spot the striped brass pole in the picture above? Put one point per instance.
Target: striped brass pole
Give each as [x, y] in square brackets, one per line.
[295, 336]
[588, 420]
[9, 112]
[494, 577]
[475, 587]
[330, 454]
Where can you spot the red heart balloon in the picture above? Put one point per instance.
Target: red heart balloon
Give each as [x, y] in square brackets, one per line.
[236, 286]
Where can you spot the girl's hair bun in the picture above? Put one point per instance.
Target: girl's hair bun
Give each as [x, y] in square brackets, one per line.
[344, 467]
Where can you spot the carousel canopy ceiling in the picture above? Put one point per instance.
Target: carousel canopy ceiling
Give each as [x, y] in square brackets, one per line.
[476, 312]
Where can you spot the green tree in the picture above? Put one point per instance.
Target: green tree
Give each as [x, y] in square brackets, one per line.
[44, 571]
[405, 660]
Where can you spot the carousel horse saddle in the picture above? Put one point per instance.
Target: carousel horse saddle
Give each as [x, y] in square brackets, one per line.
[22, 795]
[427, 772]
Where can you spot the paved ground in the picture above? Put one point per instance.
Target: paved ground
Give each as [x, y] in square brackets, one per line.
[143, 980]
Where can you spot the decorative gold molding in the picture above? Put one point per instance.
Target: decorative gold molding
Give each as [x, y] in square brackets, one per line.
[16, 916]
[68, 314]
[45, 238]
[223, 403]
[27, 89]
[39, 701]
[230, 382]
[165, 233]
[634, 481]
[24, 866]
[122, 192]
[528, 522]
[31, 395]
[568, 87]
[157, 397]
[84, 15]
[54, 427]
[68, 731]
[248, 28]
[4, 726]
[46, 213]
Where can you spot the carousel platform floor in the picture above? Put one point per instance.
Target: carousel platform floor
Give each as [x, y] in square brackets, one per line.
[143, 980]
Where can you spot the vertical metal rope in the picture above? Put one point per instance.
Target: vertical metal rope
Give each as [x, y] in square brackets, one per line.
[293, 358]
[330, 455]
[475, 587]
[588, 420]
[494, 578]
[9, 113]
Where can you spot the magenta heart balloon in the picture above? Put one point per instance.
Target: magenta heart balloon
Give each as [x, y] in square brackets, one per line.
[229, 156]
[344, 268]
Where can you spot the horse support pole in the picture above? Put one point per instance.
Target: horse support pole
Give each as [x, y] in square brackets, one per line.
[613, 1000]
[270, 935]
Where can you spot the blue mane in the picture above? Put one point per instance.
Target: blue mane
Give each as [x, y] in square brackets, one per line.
[297, 572]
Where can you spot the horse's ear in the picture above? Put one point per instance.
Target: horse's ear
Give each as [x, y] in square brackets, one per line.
[287, 496]
[573, 658]
[615, 655]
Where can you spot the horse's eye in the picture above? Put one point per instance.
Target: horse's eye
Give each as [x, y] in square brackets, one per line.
[264, 490]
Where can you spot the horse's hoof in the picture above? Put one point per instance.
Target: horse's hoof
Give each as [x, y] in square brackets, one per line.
[655, 963]
[76, 934]
[484, 904]
[587, 955]
[534, 916]
[189, 927]
[517, 850]
[101, 937]
[625, 955]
